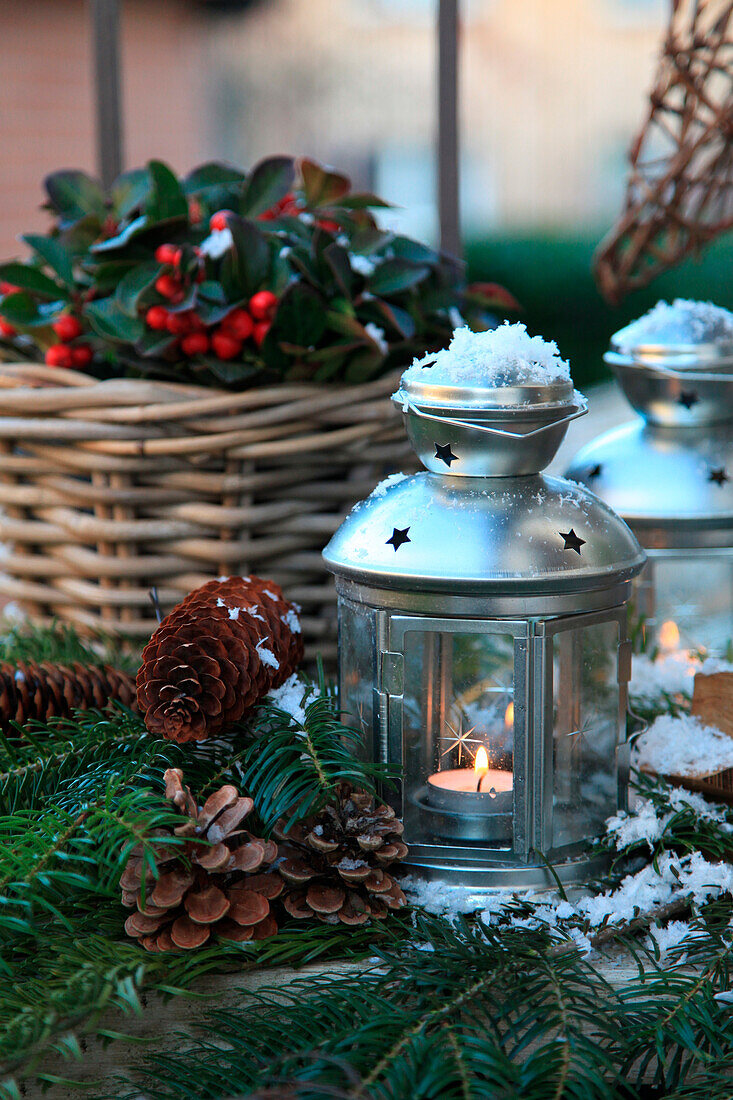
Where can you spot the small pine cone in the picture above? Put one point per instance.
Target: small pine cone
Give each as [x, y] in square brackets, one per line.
[215, 656]
[43, 691]
[336, 861]
[224, 887]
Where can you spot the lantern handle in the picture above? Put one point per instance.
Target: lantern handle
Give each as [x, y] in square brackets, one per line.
[581, 410]
[671, 372]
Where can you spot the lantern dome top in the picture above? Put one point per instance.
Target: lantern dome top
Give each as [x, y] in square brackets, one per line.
[492, 404]
[661, 478]
[484, 536]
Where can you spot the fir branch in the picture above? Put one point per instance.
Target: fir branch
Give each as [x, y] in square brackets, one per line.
[302, 765]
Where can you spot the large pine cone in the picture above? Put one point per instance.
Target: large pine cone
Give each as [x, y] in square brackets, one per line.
[215, 656]
[202, 889]
[43, 691]
[336, 861]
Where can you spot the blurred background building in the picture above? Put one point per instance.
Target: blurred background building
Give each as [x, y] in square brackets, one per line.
[552, 92]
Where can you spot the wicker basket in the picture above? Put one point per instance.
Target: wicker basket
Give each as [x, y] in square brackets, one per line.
[110, 488]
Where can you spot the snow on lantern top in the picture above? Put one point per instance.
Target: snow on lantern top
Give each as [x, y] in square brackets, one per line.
[504, 356]
[683, 324]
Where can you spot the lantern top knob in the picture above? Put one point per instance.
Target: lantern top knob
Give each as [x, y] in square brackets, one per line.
[492, 404]
[675, 363]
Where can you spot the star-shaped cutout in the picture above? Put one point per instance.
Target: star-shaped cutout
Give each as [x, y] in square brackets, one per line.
[445, 453]
[399, 536]
[688, 398]
[594, 472]
[572, 541]
[719, 476]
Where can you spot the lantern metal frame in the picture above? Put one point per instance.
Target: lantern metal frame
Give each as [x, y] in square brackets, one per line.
[485, 553]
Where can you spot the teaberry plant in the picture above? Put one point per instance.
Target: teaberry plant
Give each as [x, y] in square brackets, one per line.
[230, 278]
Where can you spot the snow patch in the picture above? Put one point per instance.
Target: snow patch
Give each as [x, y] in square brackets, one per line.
[683, 746]
[293, 697]
[504, 356]
[680, 321]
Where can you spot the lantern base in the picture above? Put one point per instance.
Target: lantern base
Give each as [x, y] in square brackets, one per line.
[469, 882]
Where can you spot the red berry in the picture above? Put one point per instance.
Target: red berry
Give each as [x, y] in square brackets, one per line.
[167, 253]
[328, 225]
[261, 330]
[157, 318]
[239, 324]
[167, 286]
[58, 356]
[197, 343]
[81, 355]
[195, 213]
[67, 327]
[219, 220]
[179, 323]
[262, 305]
[225, 346]
[6, 329]
[7, 288]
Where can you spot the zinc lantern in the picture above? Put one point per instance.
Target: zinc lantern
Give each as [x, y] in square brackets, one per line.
[482, 623]
[669, 472]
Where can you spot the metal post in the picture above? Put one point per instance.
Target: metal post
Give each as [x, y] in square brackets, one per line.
[447, 144]
[105, 17]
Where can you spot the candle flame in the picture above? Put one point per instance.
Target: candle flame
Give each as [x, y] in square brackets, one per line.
[669, 636]
[481, 763]
[509, 716]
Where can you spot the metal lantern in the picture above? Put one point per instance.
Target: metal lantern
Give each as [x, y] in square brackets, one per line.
[670, 472]
[482, 638]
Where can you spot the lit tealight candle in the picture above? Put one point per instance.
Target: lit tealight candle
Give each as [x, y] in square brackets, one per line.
[469, 789]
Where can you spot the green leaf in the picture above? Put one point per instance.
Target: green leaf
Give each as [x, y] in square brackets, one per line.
[130, 192]
[134, 284]
[361, 202]
[28, 277]
[404, 248]
[153, 344]
[53, 252]
[394, 276]
[300, 317]
[247, 264]
[74, 194]
[133, 229]
[19, 309]
[368, 240]
[363, 366]
[337, 259]
[231, 372]
[167, 200]
[380, 312]
[271, 180]
[320, 186]
[213, 174]
[108, 320]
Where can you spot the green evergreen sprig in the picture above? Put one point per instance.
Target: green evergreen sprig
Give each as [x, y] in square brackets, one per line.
[438, 1008]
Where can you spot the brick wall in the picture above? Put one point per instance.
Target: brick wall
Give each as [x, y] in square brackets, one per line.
[46, 96]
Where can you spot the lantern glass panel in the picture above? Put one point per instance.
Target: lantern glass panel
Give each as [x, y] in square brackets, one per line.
[686, 602]
[585, 731]
[458, 729]
[357, 657]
